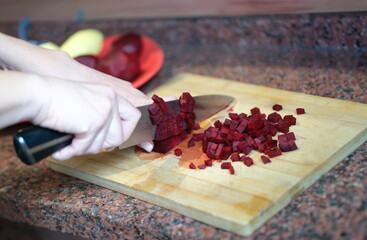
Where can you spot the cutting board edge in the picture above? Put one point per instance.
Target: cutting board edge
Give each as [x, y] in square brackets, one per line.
[243, 229]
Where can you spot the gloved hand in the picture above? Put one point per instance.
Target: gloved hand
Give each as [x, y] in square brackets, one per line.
[94, 113]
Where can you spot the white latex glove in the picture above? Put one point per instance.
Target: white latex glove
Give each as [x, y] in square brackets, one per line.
[94, 113]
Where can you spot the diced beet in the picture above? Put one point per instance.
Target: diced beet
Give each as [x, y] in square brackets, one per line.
[290, 136]
[198, 136]
[219, 151]
[274, 117]
[202, 166]
[289, 118]
[235, 146]
[235, 157]
[265, 159]
[255, 111]
[284, 146]
[227, 122]
[167, 144]
[191, 143]
[271, 144]
[242, 126]
[208, 163]
[178, 152]
[226, 165]
[282, 127]
[187, 102]
[217, 124]
[192, 166]
[282, 138]
[300, 111]
[196, 126]
[255, 123]
[231, 170]
[162, 104]
[274, 153]
[277, 107]
[292, 145]
[234, 116]
[247, 161]
[233, 125]
[250, 141]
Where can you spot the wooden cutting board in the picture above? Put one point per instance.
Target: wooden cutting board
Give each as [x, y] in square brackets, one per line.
[330, 130]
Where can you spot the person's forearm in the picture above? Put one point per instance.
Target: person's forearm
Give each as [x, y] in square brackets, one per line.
[17, 102]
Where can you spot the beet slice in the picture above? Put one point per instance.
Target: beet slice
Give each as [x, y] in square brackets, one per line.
[277, 107]
[265, 159]
[300, 111]
[192, 166]
[178, 152]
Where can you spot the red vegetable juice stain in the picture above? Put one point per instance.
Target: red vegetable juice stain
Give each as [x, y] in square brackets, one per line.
[230, 109]
[144, 155]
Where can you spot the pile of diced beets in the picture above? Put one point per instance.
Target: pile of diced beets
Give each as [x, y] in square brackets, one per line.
[234, 138]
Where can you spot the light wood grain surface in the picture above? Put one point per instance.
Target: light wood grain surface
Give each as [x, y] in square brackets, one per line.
[46, 10]
[330, 130]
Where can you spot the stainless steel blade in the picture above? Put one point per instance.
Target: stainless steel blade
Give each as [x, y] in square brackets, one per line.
[205, 107]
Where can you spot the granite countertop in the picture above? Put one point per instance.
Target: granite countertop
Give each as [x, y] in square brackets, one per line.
[320, 54]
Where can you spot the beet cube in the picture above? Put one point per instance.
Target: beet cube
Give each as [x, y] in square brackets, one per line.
[192, 166]
[284, 146]
[217, 124]
[289, 118]
[231, 170]
[235, 157]
[277, 107]
[247, 161]
[255, 111]
[208, 163]
[234, 116]
[274, 153]
[191, 143]
[242, 126]
[202, 166]
[274, 117]
[225, 165]
[255, 123]
[198, 136]
[290, 136]
[265, 159]
[300, 111]
[187, 102]
[178, 152]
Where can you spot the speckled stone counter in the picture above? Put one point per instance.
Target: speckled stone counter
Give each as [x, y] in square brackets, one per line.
[322, 54]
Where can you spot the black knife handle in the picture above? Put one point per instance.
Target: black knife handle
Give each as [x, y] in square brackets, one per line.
[35, 143]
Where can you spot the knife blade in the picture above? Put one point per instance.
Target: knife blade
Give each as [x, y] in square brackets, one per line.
[34, 143]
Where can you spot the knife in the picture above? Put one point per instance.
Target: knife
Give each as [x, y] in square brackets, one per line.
[35, 143]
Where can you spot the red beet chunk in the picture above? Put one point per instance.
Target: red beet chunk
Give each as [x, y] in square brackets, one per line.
[202, 166]
[255, 111]
[161, 103]
[192, 166]
[290, 136]
[208, 163]
[255, 123]
[277, 107]
[300, 111]
[167, 144]
[242, 126]
[191, 143]
[226, 165]
[187, 102]
[270, 144]
[284, 146]
[274, 153]
[234, 116]
[247, 161]
[274, 117]
[178, 152]
[235, 157]
[265, 159]
[289, 118]
[231, 170]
